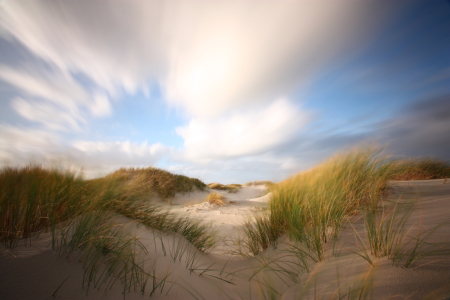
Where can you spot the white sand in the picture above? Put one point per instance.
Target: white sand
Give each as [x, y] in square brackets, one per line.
[226, 220]
[36, 272]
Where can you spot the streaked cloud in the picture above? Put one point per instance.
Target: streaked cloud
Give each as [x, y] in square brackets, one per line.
[55, 100]
[243, 77]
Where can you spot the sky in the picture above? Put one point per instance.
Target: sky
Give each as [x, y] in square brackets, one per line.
[225, 91]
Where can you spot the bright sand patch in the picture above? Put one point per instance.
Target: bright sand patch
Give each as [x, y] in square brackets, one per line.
[37, 272]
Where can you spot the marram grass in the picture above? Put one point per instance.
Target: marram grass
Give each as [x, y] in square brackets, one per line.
[420, 169]
[312, 205]
[216, 199]
[79, 214]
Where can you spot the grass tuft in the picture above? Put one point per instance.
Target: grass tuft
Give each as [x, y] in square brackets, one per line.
[311, 205]
[216, 199]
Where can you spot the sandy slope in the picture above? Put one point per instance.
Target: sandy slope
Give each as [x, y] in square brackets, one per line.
[36, 272]
[226, 220]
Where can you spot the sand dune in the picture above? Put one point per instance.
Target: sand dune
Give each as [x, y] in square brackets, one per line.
[37, 272]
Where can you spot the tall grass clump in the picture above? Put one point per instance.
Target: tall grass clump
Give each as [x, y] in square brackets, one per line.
[420, 169]
[216, 199]
[33, 198]
[80, 214]
[311, 205]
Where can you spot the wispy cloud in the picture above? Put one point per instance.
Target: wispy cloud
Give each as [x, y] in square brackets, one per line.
[21, 146]
[55, 100]
[209, 57]
[242, 134]
[238, 74]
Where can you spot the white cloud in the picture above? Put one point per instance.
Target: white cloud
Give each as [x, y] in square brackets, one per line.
[104, 157]
[18, 145]
[63, 103]
[242, 134]
[48, 114]
[127, 148]
[21, 146]
[209, 56]
[241, 170]
[221, 63]
[101, 105]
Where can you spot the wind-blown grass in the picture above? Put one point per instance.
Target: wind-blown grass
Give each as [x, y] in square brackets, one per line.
[33, 199]
[420, 169]
[387, 235]
[311, 205]
[156, 181]
[106, 251]
[80, 215]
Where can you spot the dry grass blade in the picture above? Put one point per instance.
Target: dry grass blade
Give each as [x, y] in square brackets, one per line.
[216, 199]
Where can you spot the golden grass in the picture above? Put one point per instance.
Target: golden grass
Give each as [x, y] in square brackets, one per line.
[79, 213]
[148, 181]
[312, 204]
[420, 169]
[34, 198]
[231, 188]
[216, 199]
[267, 183]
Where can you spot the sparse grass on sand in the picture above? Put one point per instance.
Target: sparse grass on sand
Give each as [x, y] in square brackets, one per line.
[216, 199]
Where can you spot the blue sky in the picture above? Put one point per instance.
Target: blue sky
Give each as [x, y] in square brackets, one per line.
[227, 91]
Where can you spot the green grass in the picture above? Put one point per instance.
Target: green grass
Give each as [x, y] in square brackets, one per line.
[260, 233]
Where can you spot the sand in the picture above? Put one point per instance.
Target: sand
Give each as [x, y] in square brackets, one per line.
[37, 272]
